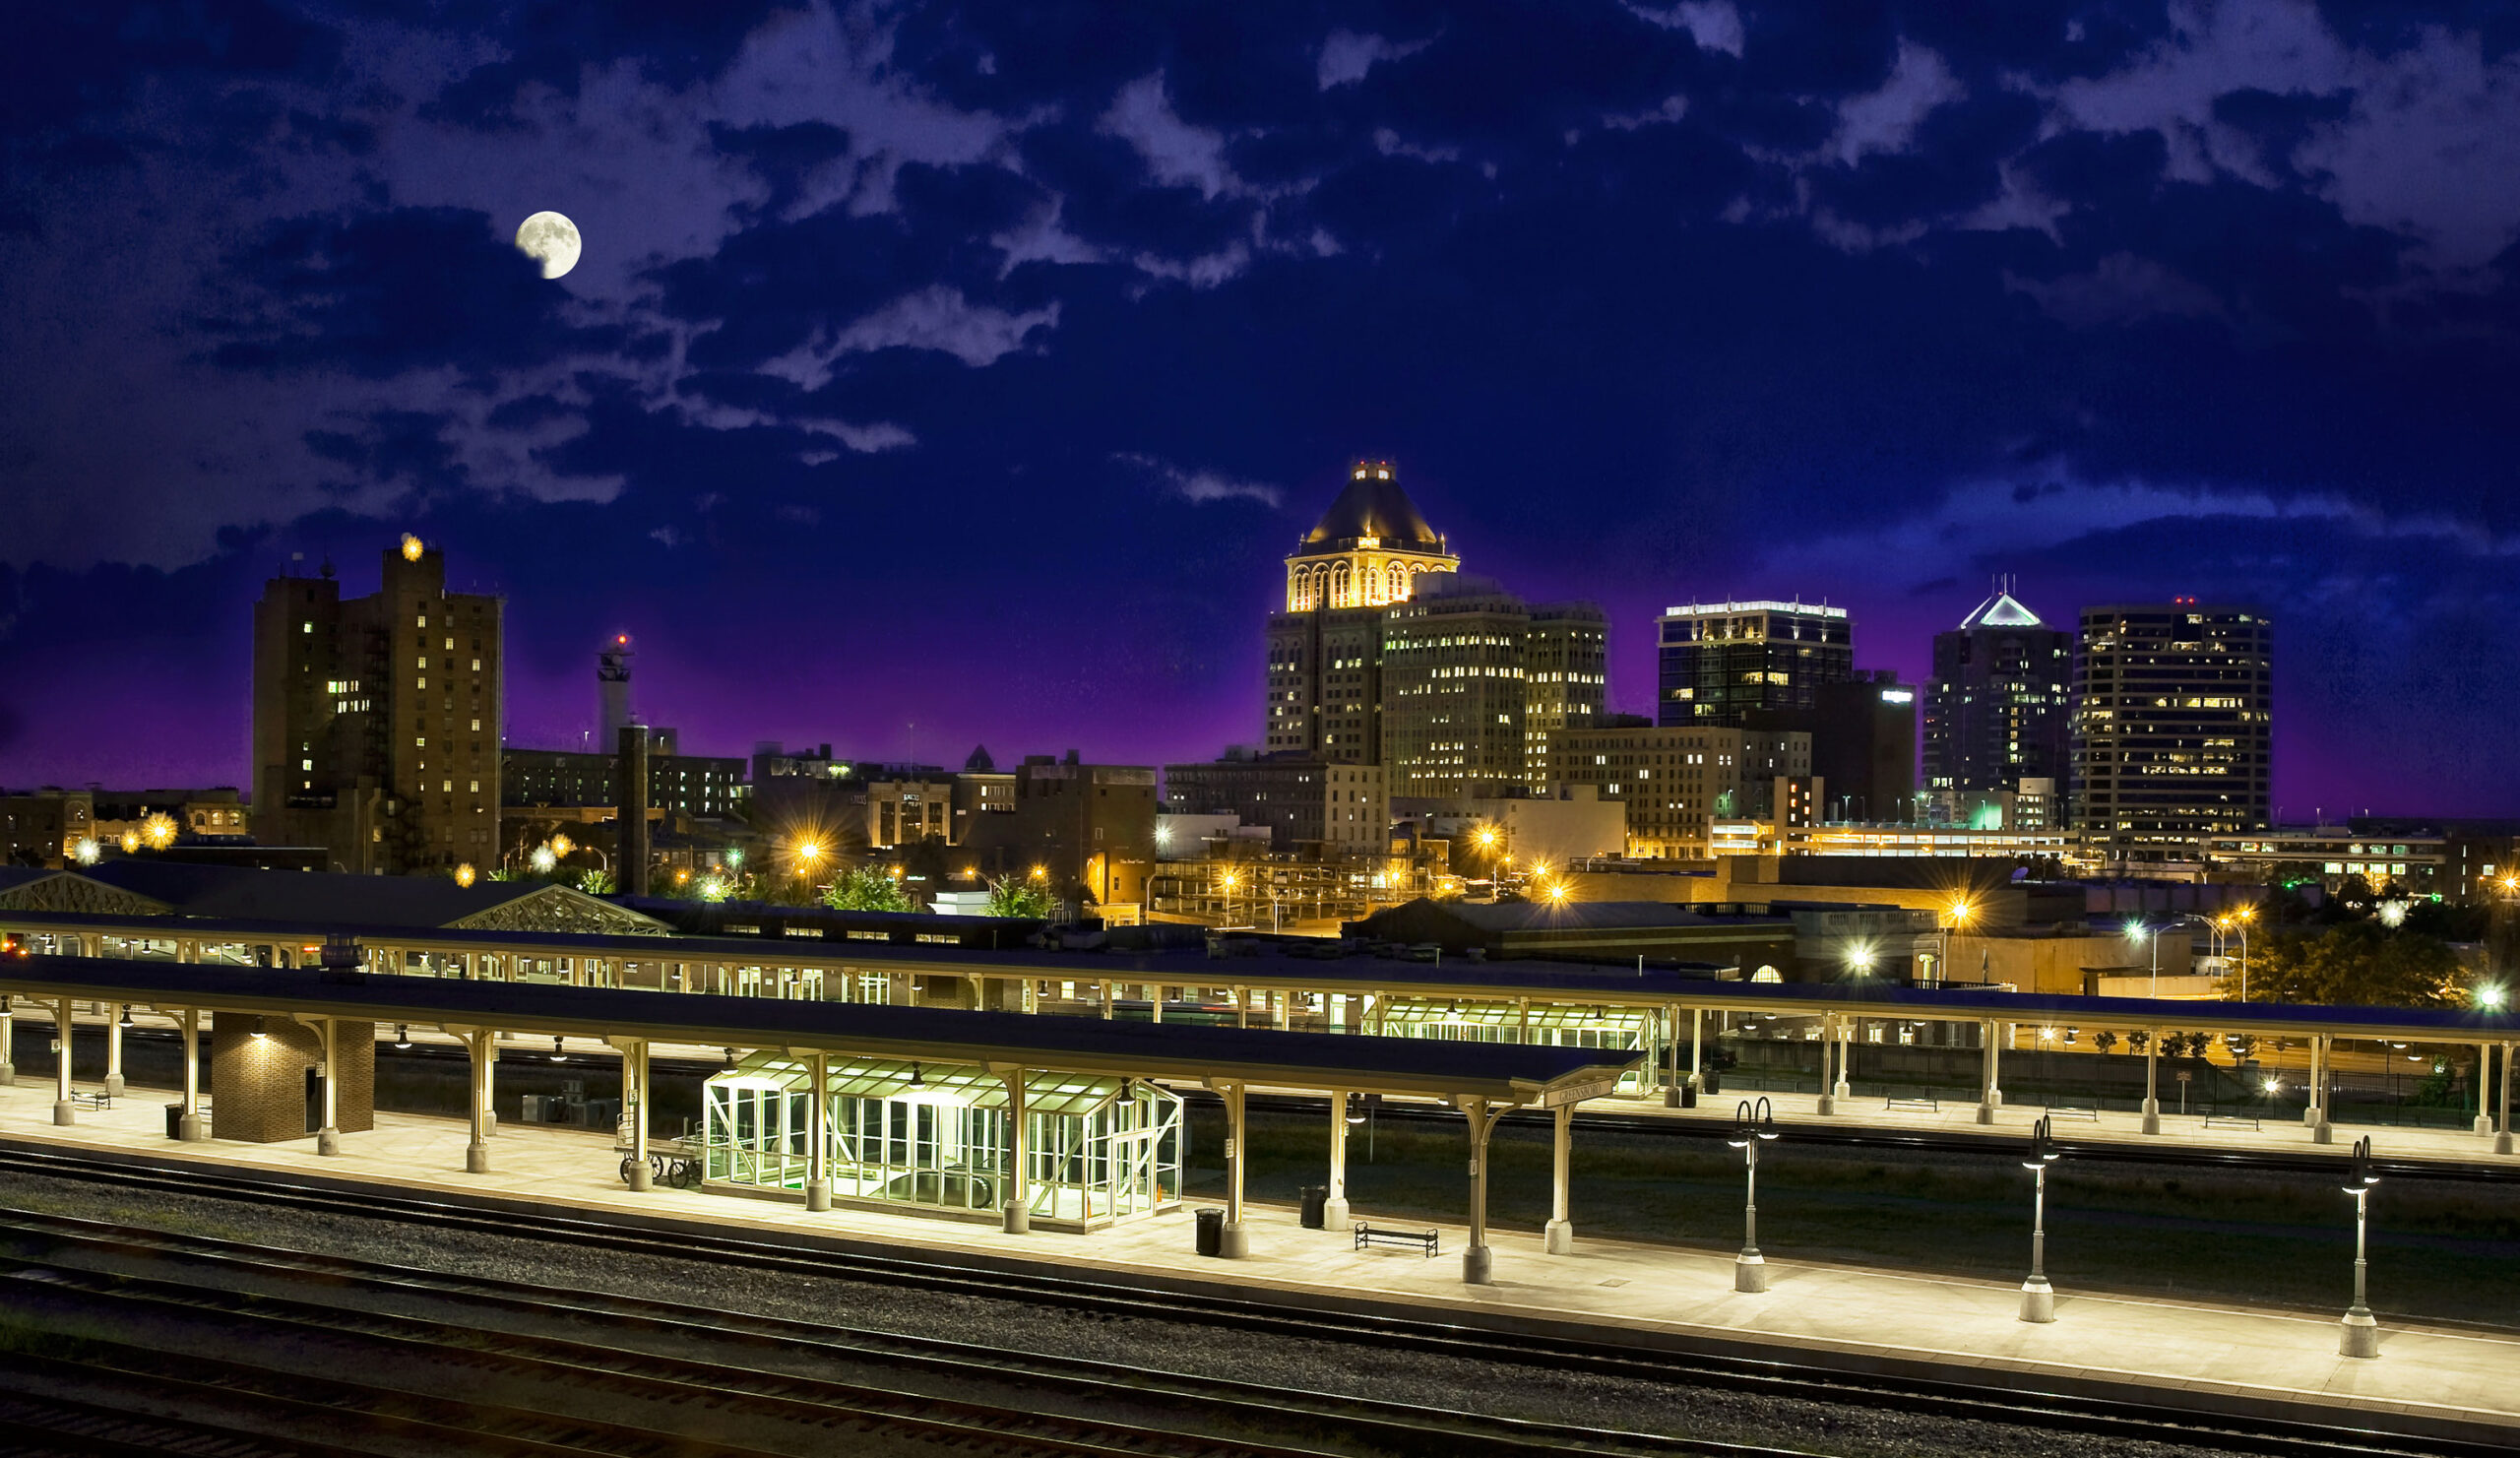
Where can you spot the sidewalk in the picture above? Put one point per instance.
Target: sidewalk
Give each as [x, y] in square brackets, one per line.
[1648, 1296]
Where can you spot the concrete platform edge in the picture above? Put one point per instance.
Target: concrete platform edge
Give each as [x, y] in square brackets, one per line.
[1630, 1338]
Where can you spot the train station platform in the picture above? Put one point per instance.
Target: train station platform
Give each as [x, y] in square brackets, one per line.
[2280, 1131]
[2237, 1362]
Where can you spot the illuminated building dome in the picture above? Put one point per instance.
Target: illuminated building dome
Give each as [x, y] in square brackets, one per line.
[1373, 510]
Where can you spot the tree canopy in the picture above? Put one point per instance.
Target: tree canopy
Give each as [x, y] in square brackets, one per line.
[2359, 964]
[865, 888]
[1008, 897]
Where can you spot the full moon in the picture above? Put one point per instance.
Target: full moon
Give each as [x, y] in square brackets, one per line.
[551, 240]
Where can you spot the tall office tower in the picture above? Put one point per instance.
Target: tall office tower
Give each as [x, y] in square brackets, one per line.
[376, 719]
[1997, 710]
[2173, 725]
[1365, 553]
[1863, 743]
[1723, 662]
[1565, 661]
[612, 693]
[1454, 696]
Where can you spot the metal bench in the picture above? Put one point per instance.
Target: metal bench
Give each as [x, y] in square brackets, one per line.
[2232, 1121]
[91, 1099]
[2068, 1111]
[1368, 1234]
[1925, 1101]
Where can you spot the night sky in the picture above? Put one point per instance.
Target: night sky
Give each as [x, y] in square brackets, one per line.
[961, 373]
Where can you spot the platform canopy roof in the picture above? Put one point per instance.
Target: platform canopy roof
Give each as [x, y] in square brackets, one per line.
[1508, 1073]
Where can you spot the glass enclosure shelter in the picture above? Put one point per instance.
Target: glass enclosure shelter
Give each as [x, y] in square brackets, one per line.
[933, 1138]
[1627, 1030]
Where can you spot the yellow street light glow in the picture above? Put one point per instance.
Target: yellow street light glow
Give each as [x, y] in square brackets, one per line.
[2247, 910]
[809, 851]
[561, 846]
[463, 874]
[410, 547]
[1487, 836]
[159, 830]
[1557, 892]
[1041, 873]
[131, 843]
[1961, 911]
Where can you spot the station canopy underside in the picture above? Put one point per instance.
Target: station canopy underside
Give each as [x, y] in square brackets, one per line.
[1513, 1073]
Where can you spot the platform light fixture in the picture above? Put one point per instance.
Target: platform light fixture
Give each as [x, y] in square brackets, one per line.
[1753, 1124]
[2360, 1333]
[558, 1055]
[2037, 1297]
[917, 1075]
[125, 1019]
[401, 1034]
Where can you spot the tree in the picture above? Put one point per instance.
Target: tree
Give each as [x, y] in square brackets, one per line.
[2357, 963]
[596, 881]
[865, 888]
[1008, 897]
[2104, 1040]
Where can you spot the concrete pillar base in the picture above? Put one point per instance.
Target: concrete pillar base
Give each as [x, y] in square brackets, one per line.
[114, 1086]
[476, 1158]
[1560, 1236]
[1479, 1266]
[1842, 1091]
[2310, 1113]
[1018, 1222]
[2152, 1123]
[2484, 1125]
[2502, 1142]
[642, 1176]
[8, 1075]
[189, 1131]
[1985, 1114]
[1672, 1097]
[62, 1114]
[2358, 1335]
[1335, 1215]
[327, 1141]
[2037, 1301]
[1751, 1273]
[1828, 1104]
[818, 1196]
[1233, 1242]
[2323, 1132]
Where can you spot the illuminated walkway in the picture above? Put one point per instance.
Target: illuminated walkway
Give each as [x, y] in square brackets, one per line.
[1862, 1316]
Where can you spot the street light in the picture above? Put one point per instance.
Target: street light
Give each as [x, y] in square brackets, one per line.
[1751, 1128]
[2491, 998]
[2359, 1334]
[2037, 1297]
[1859, 957]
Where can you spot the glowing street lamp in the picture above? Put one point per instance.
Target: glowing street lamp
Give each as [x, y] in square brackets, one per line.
[1557, 892]
[2359, 1334]
[1752, 1126]
[561, 846]
[86, 851]
[411, 547]
[2491, 998]
[159, 830]
[1860, 958]
[131, 843]
[543, 859]
[463, 874]
[2037, 1297]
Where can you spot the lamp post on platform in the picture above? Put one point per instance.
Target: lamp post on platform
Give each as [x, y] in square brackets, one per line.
[2359, 1334]
[1751, 1128]
[2037, 1297]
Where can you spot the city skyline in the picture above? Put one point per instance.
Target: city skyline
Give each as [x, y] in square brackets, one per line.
[912, 390]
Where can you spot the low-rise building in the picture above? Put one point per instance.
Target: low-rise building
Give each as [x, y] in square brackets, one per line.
[1673, 783]
[1310, 805]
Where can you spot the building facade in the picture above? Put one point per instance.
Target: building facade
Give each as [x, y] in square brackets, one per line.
[1720, 662]
[1863, 742]
[1677, 781]
[1455, 691]
[2173, 725]
[1565, 678]
[376, 719]
[1999, 709]
[1367, 552]
[678, 783]
[1308, 804]
[43, 827]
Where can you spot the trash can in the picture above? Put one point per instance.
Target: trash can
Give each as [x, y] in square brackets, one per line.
[1210, 1231]
[1688, 1096]
[1710, 1082]
[174, 1122]
[1316, 1205]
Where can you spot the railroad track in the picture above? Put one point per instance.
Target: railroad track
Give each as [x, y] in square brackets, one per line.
[624, 1354]
[2064, 1412]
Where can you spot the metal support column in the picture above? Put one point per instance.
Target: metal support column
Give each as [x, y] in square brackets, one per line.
[1478, 1262]
[61, 1112]
[484, 1050]
[1235, 1242]
[1017, 1212]
[1992, 1097]
[113, 1049]
[8, 1041]
[1334, 1211]
[1560, 1232]
[1828, 1054]
[2501, 1125]
[1845, 1054]
[2152, 1082]
[2320, 1131]
[2485, 1063]
[634, 1099]
[328, 1139]
[188, 1123]
[818, 1137]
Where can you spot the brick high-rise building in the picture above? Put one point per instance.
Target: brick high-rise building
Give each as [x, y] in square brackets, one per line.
[2173, 725]
[1565, 675]
[376, 719]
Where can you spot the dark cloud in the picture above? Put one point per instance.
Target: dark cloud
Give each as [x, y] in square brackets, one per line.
[1046, 299]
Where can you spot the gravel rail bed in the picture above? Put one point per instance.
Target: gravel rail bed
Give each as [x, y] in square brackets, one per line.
[1327, 1364]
